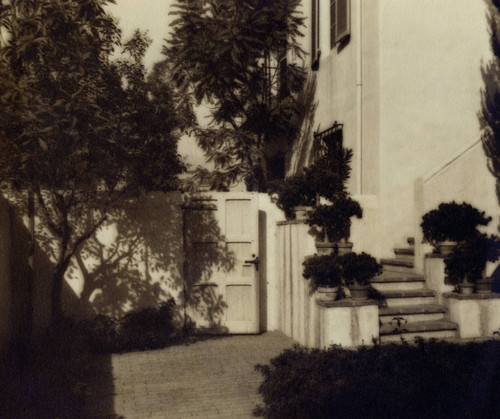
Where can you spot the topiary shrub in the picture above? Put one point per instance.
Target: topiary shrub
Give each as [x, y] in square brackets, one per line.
[323, 271]
[359, 268]
[292, 192]
[335, 220]
[468, 260]
[452, 222]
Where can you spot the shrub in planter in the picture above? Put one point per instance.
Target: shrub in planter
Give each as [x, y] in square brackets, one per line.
[466, 264]
[293, 192]
[452, 222]
[323, 270]
[335, 220]
[357, 272]
[329, 174]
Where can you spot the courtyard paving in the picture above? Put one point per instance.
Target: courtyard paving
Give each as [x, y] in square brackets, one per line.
[211, 378]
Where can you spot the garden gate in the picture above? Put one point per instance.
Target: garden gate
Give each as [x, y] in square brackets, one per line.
[221, 261]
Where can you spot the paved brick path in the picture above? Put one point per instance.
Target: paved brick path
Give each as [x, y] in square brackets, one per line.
[213, 378]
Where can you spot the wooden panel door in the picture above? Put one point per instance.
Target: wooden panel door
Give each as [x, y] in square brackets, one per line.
[221, 266]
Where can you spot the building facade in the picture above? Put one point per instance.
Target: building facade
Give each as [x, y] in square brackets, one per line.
[404, 79]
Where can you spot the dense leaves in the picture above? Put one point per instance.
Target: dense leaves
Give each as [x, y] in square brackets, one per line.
[468, 260]
[359, 268]
[77, 128]
[490, 110]
[233, 57]
[335, 219]
[452, 221]
[323, 270]
[429, 379]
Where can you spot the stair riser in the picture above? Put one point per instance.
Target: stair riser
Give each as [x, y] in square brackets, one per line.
[400, 269]
[413, 317]
[410, 337]
[399, 286]
[408, 301]
[406, 258]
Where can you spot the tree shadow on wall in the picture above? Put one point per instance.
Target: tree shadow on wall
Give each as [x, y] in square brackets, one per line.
[206, 263]
[151, 249]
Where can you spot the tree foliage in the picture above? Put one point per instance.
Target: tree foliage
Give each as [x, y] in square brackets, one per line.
[79, 128]
[233, 56]
[490, 112]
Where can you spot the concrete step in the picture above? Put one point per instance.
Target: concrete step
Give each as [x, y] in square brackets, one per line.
[398, 281]
[426, 329]
[397, 265]
[412, 313]
[405, 253]
[394, 297]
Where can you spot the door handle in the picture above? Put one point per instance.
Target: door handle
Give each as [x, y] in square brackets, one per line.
[255, 261]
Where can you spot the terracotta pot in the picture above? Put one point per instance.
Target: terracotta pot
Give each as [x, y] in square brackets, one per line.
[328, 293]
[445, 248]
[483, 286]
[301, 213]
[466, 287]
[359, 292]
[327, 248]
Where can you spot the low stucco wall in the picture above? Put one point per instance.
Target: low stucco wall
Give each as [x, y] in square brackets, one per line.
[434, 277]
[477, 315]
[348, 323]
[300, 315]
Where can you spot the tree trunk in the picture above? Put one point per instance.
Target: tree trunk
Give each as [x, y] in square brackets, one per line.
[57, 313]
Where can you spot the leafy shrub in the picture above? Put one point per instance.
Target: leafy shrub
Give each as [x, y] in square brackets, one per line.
[148, 328]
[293, 192]
[469, 258]
[453, 222]
[323, 270]
[359, 268]
[335, 219]
[429, 379]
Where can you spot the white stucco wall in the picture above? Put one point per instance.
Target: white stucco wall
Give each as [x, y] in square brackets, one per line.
[408, 95]
[430, 81]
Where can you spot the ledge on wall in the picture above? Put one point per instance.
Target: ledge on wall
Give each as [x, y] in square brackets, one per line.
[477, 315]
[348, 322]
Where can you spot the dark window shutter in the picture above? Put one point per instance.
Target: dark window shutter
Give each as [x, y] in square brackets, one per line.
[315, 52]
[342, 20]
[333, 14]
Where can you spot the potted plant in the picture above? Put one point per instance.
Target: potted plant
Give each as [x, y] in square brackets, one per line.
[450, 224]
[334, 222]
[294, 195]
[465, 266]
[325, 274]
[357, 272]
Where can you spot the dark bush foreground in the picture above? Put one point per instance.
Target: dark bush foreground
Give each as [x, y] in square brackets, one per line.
[427, 380]
[149, 328]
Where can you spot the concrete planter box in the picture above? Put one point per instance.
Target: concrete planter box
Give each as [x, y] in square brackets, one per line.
[348, 323]
[477, 315]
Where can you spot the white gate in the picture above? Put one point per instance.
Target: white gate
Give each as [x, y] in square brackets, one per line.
[221, 262]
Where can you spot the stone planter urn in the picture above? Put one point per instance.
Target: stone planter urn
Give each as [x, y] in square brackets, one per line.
[466, 287]
[359, 292]
[445, 248]
[328, 294]
[327, 248]
[301, 212]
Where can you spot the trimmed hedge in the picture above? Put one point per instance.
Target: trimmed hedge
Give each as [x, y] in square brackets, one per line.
[429, 379]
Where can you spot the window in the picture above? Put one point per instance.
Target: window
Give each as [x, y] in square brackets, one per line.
[328, 141]
[340, 21]
[315, 51]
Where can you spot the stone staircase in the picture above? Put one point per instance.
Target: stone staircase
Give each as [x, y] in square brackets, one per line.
[408, 308]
